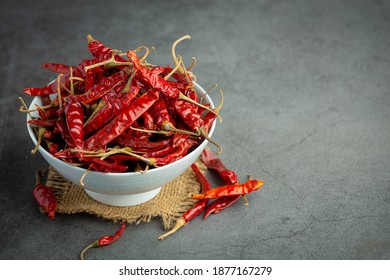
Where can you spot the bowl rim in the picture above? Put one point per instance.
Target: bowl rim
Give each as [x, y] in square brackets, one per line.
[198, 89]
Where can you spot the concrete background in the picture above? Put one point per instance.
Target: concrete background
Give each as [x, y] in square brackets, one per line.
[307, 109]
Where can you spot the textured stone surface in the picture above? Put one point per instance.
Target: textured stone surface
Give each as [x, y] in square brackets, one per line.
[307, 109]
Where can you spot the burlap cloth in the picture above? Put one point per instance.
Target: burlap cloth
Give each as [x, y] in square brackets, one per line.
[172, 201]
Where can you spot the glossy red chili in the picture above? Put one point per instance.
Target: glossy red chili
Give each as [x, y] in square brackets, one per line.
[74, 115]
[105, 240]
[57, 67]
[231, 190]
[196, 209]
[104, 86]
[122, 121]
[44, 196]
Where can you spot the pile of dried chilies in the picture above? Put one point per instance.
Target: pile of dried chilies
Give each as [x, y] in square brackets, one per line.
[224, 195]
[116, 112]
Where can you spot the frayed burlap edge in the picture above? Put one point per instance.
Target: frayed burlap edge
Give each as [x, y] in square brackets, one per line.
[172, 201]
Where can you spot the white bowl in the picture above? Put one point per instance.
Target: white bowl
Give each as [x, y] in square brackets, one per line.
[123, 189]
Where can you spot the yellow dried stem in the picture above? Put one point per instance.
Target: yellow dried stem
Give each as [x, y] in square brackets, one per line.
[82, 178]
[179, 224]
[174, 69]
[41, 131]
[146, 52]
[24, 108]
[71, 81]
[205, 135]
[185, 37]
[184, 97]
[59, 91]
[150, 131]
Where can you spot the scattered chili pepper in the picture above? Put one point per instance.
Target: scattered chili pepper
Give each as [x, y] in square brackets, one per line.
[44, 196]
[231, 190]
[196, 209]
[229, 177]
[105, 240]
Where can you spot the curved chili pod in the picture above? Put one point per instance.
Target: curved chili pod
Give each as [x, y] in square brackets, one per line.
[74, 115]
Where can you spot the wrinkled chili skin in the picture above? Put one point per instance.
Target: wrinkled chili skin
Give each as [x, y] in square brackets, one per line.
[56, 67]
[200, 205]
[229, 177]
[45, 198]
[100, 89]
[108, 111]
[104, 166]
[152, 79]
[51, 88]
[43, 123]
[177, 154]
[106, 240]
[231, 190]
[122, 121]
[74, 115]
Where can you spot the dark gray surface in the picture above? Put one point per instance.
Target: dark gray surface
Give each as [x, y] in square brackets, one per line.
[307, 97]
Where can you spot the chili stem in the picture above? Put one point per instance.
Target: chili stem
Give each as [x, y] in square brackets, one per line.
[41, 131]
[59, 91]
[110, 61]
[71, 81]
[185, 37]
[185, 98]
[146, 52]
[150, 131]
[174, 69]
[26, 110]
[179, 224]
[204, 135]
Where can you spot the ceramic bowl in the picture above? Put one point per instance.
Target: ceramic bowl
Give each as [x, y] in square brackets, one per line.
[129, 188]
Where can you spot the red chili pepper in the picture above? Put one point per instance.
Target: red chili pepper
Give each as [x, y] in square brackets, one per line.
[44, 123]
[129, 140]
[51, 88]
[56, 67]
[151, 78]
[63, 129]
[107, 112]
[122, 121]
[104, 86]
[101, 51]
[188, 113]
[231, 190]
[177, 154]
[160, 113]
[74, 115]
[44, 196]
[196, 209]
[105, 166]
[229, 177]
[105, 240]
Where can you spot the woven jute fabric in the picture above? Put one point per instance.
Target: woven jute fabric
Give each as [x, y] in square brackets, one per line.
[172, 201]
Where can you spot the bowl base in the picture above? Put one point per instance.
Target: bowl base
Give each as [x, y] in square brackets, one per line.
[123, 200]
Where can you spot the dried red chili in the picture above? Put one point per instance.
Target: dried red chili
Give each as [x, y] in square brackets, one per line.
[229, 177]
[74, 115]
[231, 190]
[109, 97]
[122, 121]
[105, 240]
[196, 209]
[44, 196]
